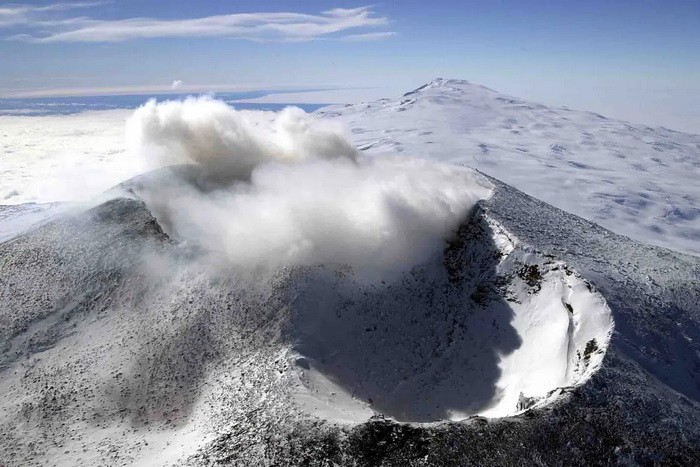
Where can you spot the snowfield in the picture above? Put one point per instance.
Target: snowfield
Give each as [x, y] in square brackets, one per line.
[635, 180]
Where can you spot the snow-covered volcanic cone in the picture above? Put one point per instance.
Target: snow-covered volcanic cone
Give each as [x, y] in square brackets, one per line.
[482, 325]
[495, 332]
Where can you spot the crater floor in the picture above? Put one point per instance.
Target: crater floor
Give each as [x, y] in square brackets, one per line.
[492, 329]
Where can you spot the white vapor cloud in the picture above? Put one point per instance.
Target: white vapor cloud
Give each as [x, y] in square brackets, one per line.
[296, 192]
[275, 26]
[177, 84]
[228, 143]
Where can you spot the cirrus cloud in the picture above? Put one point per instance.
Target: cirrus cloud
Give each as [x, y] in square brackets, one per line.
[262, 27]
[368, 36]
[22, 14]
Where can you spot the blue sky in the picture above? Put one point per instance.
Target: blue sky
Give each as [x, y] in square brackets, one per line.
[633, 59]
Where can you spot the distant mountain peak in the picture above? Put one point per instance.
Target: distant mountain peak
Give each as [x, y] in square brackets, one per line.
[447, 83]
[437, 82]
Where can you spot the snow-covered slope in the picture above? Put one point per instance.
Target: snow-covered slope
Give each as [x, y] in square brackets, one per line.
[15, 219]
[637, 181]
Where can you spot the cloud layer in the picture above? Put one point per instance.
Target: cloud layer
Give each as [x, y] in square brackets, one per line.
[42, 26]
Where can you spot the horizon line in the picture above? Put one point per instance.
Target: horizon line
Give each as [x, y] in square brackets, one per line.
[136, 90]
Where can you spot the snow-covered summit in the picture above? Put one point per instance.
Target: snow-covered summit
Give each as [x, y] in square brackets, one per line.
[633, 179]
[448, 84]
